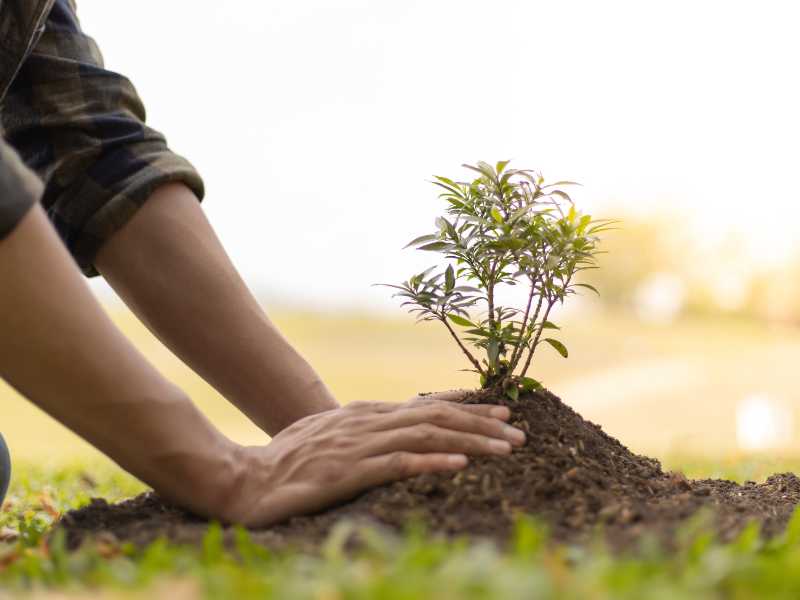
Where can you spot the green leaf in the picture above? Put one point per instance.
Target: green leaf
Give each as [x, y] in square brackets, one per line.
[560, 348]
[447, 226]
[496, 215]
[520, 212]
[486, 169]
[512, 392]
[506, 244]
[549, 185]
[480, 332]
[435, 246]
[460, 320]
[449, 279]
[420, 239]
[451, 191]
[501, 165]
[446, 180]
[561, 194]
[529, 384]
[587, 286]
[549, 325]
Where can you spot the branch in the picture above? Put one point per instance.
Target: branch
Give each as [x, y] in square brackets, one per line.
[550, 305]
[490, 296]
[527, 336]
[518, 347]
[466, 352]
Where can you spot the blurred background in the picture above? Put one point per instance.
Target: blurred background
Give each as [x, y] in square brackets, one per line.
[319, 125]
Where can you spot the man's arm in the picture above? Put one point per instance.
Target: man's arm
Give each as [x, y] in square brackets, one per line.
[170, 268]
[60, 350]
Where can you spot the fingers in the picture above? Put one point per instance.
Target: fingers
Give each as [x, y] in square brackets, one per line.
[455, 396]
[447, 416]
[485, 410]
[427, 438]
[382, 469]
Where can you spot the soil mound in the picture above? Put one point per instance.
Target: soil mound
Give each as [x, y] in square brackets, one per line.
[570, 474]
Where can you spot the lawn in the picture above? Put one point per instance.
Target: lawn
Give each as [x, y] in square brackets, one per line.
[416, 566]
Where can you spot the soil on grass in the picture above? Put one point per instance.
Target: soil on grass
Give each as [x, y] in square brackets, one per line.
[570, 475]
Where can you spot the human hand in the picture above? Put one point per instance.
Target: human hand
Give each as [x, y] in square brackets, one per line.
[332, 456]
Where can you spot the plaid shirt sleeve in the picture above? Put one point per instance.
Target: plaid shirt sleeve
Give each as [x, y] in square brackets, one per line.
[82, 129]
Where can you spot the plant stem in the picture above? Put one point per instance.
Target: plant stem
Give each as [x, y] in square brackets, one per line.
[534, 318]
[550, 304]
[466, 352]
[490, 297]
[518, 348]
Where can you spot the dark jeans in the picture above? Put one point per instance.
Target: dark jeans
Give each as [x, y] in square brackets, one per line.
[5, 469]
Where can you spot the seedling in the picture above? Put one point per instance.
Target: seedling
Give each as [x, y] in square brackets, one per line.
[505, 227]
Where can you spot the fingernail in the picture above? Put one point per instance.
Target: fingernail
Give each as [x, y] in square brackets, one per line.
[500, 446]
[500, 412]
[514, 435]
[457, 460]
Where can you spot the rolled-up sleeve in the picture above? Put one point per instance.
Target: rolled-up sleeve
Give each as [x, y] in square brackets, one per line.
[82, 129]
[20, 188]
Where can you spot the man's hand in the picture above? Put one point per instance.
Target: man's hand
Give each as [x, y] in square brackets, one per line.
[332, 456]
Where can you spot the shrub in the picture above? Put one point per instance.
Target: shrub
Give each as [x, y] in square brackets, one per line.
[505, 227]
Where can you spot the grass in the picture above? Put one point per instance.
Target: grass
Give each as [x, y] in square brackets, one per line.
[409, 567]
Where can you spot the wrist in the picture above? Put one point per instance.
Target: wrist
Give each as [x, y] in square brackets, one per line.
[290, 398]
[314, 397]
[193, 463]
[246, 488]
[198, 483]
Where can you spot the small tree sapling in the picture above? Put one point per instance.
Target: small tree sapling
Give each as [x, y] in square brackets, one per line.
[505, 227]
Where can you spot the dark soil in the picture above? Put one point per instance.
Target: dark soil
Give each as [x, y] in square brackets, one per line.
[570, 475]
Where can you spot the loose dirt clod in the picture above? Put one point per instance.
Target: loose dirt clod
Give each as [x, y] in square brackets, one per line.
[570, 474]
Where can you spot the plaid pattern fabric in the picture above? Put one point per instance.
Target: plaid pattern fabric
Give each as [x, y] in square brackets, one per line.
[82, 129]
[21, 24]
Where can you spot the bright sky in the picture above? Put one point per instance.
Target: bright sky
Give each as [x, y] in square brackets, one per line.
[317, 124]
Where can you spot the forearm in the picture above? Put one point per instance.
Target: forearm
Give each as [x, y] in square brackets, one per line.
[60, 350]
[170, 268]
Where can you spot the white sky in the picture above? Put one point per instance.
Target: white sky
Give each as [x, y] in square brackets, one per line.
[317, 124]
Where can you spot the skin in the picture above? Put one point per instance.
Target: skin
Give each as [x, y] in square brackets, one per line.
[62, 352]
[218, 329]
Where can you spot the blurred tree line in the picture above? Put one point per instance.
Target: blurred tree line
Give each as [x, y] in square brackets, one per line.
[661, 268]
